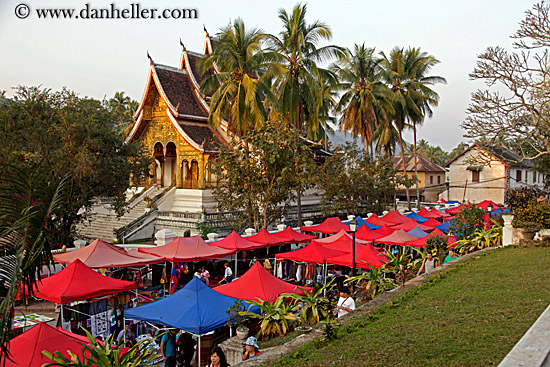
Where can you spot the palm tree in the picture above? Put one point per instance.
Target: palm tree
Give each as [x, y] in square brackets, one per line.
[386, 137]
[27, 207]
[297, 73]
[366, 99]
[406, 74]
[328, 88]
[239, 85]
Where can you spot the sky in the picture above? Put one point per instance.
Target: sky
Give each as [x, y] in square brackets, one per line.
[98, 57]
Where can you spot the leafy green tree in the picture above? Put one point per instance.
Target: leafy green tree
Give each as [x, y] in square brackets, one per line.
[257, 182]
[28, 205]
[467, 221]
[350, 177]
[437, 244]
[64, 134]
[239, 84]
[297, 75]
[365, 99]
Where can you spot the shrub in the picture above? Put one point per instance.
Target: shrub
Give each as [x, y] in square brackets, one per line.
[467, 221]
[437, 244]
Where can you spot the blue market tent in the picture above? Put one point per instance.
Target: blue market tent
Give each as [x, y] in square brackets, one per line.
[417, 232]
[453, 202]
[499, 211]
[444, 227]
[196, 308]
[420, 219]
[361, 222]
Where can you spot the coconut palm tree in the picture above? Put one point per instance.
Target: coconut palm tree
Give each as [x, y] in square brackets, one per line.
[297, 74]
[366, 99]
[239, 85]
[27, 207]
[405, 72]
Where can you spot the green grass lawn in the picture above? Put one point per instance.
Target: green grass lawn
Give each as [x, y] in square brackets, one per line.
[471, 315]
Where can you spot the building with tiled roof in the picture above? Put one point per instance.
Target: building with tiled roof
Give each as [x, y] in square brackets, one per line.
[431, 177]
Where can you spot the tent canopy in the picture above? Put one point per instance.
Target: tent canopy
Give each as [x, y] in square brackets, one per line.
[485, 204]
[187, 249]
[361, 222]
[421, 242]
[384, 230]
[236, 242]
[196, 308]
[376, 220]
[330, 225]
[431, 223]
[445, 227]
[101, 254]
[363, 258]
[268, 239]
[337, 237]
[399, 237]
[312, 253]
[366, 234]
[394, 217]
[411, 224]
[440, 213]
[78, 282]
[428, 213]
[292, 236]
[258, 283]
[344, 244]
[420, 219]
[418, 232]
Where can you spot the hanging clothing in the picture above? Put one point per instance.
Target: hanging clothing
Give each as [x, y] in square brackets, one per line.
[299, 273]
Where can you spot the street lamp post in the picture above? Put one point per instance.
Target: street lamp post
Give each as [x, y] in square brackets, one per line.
[353, 228]
[490, 209]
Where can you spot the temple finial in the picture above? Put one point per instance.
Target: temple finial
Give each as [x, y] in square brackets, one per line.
[182, 45]
[150, 58]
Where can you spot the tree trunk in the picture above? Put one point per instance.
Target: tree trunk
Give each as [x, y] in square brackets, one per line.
[416, 169]
[249, 207]
[404, 169]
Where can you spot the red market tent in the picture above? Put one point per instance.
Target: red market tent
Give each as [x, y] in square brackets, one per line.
[427, 213]
[294, 237]
[366, 234]
[268, 239]
[441, 214]
[431, 223]
[235, 242]
[78, 282]
[376, 220]
[485, 204]
[101, 254]
[188, 249]
[394, 217]
[399, 237]
[455, 210]
[258, 283]
[384, 230]
[26, 349]
[363, 258]
[421, 242]
[312, 253]
[331, 225]
[411, 224]
[344, 244]
[337, 237]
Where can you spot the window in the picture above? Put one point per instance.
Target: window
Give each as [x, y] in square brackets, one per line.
[534, 176]
[431, 180]
[518, 175]
[438, 180]
[475, 176]
[526, 176]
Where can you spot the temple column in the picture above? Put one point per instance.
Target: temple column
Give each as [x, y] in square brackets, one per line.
[179, 164]
[202, 183]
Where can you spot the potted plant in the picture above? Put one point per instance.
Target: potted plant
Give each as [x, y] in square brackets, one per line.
[236, 318]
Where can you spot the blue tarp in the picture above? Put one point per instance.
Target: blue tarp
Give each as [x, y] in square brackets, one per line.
[417, 232]
[444, 227]
[420, 219]
[196, 308]
[361, 221]
[453, 202]
[499, 211]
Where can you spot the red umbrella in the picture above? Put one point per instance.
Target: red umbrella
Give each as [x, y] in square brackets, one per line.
[78, 282]
[331, 225]
[268, 239]
[188, 249]
[291, 236]
[258, 283]
[399, 237]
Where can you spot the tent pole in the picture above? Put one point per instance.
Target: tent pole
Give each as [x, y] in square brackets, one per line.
[199, 353]
[325, 271]
[236, 256]
[61, 323]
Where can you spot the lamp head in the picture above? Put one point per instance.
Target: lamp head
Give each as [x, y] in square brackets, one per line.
[353, 225]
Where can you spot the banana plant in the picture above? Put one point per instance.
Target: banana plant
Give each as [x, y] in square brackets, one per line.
[105, 354]
[275, 316]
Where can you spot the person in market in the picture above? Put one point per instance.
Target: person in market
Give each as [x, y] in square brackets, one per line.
[428, 265]
[185, 350]
[217, 358]
[205, 275]
[168, 348]
[228, 275]
[452, 255]
[345, 304]
[251, 348]
[253, 261]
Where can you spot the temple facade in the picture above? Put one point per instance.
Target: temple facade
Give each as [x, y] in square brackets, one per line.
[172, 123]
